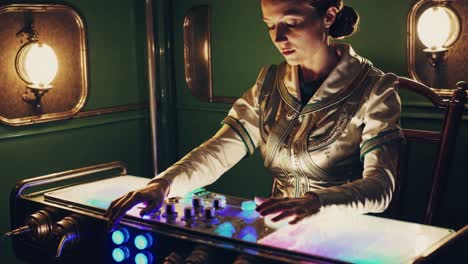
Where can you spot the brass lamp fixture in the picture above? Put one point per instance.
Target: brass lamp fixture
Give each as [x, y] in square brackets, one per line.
[36, 64]
[438, 28]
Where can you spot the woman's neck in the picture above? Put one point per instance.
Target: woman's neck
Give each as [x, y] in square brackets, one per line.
[320, 65]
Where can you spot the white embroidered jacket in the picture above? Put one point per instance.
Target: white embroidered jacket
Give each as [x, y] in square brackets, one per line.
[342, 145]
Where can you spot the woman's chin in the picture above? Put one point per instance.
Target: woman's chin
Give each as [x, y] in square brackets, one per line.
[291, 62]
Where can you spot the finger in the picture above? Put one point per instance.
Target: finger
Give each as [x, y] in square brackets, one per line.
[112, 206]
[259, 200]
[277, 207]
[152, 207]
[296, 220]
[268, 202]
[119, 214]
[117, 204]
[283, 215]
[125, 205]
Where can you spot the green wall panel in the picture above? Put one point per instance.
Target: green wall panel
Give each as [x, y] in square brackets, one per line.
[116, 45]
[117, 73]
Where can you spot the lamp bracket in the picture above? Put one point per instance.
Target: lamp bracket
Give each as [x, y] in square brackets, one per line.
[28, 28]
[33, 96]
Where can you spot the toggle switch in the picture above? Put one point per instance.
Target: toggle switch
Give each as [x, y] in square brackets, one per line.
[170, 210]
[208, 212]
[197, 202]
[189, 213]
[219, 202]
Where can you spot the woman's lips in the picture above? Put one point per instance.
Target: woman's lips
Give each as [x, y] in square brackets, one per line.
[287, 52]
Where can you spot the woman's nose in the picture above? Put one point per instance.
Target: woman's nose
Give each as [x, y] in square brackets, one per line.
[280, 33]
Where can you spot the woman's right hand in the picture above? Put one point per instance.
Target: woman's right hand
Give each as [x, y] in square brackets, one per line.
[152, 195]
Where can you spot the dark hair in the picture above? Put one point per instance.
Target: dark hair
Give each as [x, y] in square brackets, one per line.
[347, 19]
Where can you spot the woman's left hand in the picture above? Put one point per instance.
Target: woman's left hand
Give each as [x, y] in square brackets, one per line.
[299, 207]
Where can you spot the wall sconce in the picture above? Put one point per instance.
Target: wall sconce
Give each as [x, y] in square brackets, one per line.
[40, 54]
[438, 28]
[36, 64]
[435, 35]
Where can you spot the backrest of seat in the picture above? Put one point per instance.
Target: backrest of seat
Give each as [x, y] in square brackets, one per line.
[444, 139]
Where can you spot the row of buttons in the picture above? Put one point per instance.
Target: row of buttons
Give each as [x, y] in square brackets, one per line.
[196, 207]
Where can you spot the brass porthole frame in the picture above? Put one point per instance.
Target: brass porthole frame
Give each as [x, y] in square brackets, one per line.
[414, 45]
[83, 59]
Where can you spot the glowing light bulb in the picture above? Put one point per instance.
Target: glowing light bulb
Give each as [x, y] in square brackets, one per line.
[38, 65]
[120, 254]
[143, 258]
[438, 27]
[143, 241]
[120, 236]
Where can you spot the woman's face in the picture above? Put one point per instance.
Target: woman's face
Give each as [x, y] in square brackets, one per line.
[295, 28]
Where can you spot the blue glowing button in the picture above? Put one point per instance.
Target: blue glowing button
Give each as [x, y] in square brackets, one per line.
[144, 258]
[225, 229]
[120, 236]
[143, 241]
[120, 254]
[249, 205]
[248, 234]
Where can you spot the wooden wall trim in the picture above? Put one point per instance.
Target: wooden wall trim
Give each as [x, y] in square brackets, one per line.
[98, 117]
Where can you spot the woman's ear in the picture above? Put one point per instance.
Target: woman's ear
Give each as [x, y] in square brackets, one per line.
[330, 16]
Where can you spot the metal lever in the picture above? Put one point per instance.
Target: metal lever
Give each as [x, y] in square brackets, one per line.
[18, 231]
[67, 233]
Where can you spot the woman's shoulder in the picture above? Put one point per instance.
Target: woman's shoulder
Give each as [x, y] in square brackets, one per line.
[381, 79]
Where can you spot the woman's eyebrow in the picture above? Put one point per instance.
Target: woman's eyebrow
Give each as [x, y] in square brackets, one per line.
[293, 12]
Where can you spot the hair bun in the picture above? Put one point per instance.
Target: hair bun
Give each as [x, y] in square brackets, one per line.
[346, 23]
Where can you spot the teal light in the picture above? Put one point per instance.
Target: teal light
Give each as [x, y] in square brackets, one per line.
[225, 229]
[249, 233]
[98, 203]
[144, 258]
[249, 238]
[120, 254]
[120, 236]
[143, 241]
[249, 216]
[249, 206]
[192, 193]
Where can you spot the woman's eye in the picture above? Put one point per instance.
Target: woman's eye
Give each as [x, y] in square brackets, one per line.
[292, 23]
[270, 27]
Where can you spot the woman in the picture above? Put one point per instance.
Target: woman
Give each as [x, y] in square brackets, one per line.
[326, 122]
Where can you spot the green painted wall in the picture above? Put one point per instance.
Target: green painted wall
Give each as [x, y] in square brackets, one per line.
[241, 46]
[117, 76]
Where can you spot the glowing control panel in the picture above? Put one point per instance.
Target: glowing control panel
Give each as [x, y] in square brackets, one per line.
[348, 238]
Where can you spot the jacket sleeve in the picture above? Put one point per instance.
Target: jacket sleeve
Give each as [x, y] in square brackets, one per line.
[381, 137]
[238, 137]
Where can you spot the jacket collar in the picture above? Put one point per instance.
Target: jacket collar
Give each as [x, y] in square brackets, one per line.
[338, 85]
